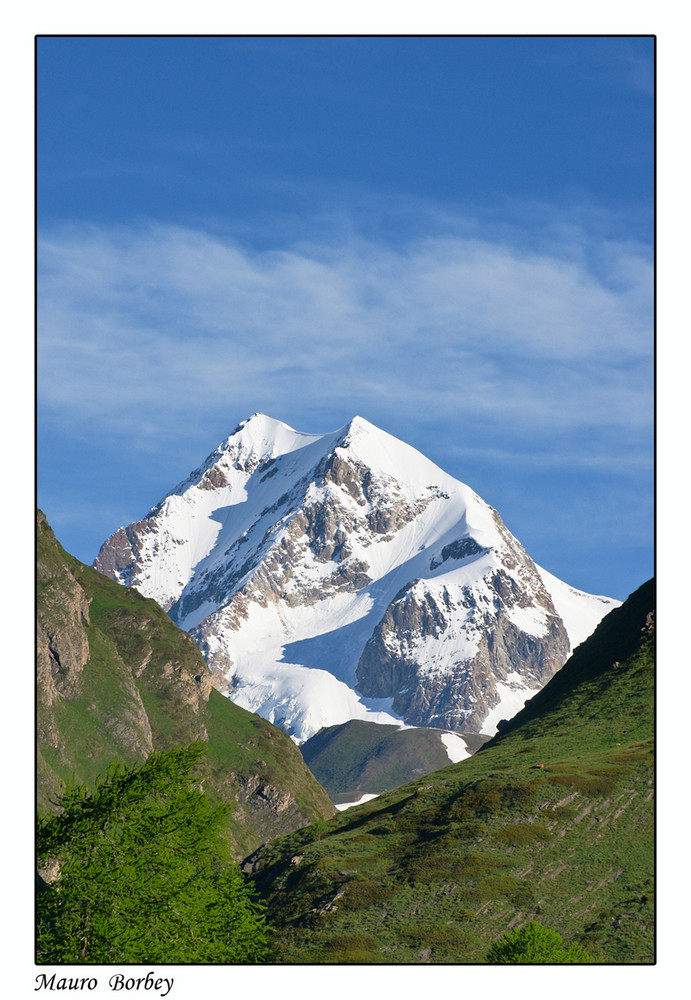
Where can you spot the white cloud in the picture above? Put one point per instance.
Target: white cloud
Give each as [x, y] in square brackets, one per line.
[142, 325]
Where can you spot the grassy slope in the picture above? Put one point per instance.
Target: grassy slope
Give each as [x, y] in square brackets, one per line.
[100, 721]
[359, 756]
[552, 820]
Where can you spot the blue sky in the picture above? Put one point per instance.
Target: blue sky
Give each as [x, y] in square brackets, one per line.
[449, 236]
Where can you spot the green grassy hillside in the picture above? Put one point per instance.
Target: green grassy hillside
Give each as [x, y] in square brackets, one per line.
[553, 820]
[358, 757]
[116, 678]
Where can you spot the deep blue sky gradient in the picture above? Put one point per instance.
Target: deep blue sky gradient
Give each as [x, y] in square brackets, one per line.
[181, 127]
[349, 209]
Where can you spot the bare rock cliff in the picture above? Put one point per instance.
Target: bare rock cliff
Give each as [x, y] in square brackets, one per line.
[116, 679]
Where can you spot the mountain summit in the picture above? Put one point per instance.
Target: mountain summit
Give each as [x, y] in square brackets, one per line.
[327, 577]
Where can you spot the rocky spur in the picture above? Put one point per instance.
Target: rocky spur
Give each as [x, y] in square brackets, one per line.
[150, 981]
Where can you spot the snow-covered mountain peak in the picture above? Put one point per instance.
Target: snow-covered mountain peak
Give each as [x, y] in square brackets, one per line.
[357, 429]
[264, 437]
[345, 575]
[254, 444]
[386, 455]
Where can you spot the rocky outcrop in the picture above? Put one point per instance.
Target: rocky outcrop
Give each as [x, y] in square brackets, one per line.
[119, 559]
[62, 616]
[116, 679]
[502, 628]
[460, 688]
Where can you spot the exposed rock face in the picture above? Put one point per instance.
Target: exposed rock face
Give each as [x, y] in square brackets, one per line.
[338, 576]
[63, 653]
[456, 684]
[61, 641]
[117, 679]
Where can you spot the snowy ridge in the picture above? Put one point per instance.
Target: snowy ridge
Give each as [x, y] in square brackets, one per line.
[580, 612]
[344, 575]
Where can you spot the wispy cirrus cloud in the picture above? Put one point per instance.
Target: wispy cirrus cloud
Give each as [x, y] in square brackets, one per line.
[155, 325]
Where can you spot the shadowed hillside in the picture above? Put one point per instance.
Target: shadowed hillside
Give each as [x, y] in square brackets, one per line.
[361, 757]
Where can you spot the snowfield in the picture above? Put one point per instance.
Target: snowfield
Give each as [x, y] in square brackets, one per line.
[456, 747]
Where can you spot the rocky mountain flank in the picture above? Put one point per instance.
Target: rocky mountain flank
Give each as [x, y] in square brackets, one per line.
[341, 576]
[116, 678]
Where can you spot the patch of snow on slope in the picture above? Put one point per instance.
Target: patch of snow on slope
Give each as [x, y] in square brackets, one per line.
[580, 612]
[363, 798]
[456, 747]
[512, 698]
[532, 620]
[439, 654]
[303, 700]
